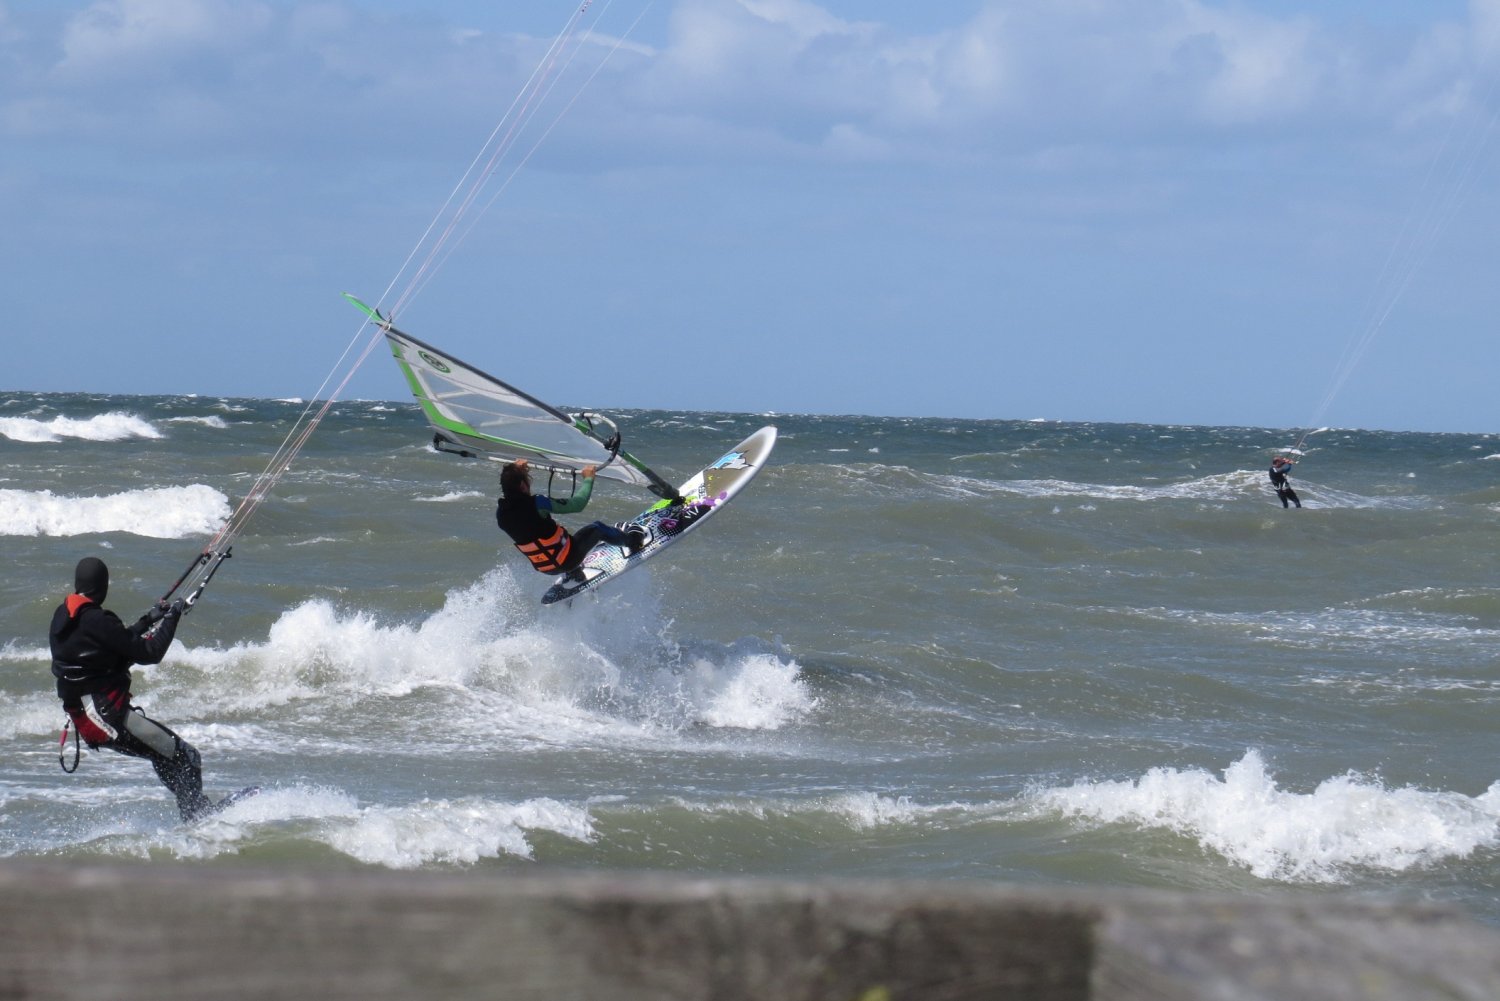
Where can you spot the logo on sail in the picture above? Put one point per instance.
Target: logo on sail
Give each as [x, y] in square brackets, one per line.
[436, 363]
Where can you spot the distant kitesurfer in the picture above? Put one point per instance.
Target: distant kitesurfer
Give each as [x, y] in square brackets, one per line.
[1281, 467]
[92, 653]
[527, 519]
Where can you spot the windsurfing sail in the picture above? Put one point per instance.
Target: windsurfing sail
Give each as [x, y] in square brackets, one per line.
[474, 414]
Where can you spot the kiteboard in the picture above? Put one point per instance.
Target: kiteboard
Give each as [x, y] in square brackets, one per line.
[704, 494]
[225, 803]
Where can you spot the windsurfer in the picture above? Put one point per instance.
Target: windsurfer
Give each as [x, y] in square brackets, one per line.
[1281, 467]
[527, 519]
[92, 653]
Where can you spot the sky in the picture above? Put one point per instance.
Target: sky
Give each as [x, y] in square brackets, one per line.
[1257, 213]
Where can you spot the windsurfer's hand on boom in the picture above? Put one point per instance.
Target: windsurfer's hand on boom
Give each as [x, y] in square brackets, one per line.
[587, 472]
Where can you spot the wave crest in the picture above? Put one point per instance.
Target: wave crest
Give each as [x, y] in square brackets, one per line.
[158, 513]
[1347, 821]
[113, 426]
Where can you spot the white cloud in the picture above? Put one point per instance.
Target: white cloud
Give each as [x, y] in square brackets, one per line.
[114, 38]
[775, 78]
[807, 20]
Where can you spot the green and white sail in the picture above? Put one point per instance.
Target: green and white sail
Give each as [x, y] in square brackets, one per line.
[473, 413]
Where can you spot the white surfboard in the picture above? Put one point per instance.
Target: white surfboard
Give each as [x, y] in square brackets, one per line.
[704, 494]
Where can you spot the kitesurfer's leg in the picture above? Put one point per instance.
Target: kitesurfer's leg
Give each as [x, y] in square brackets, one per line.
[598, 533]
[176, 762]
[594, 533]
[1292, 495]
[614, 536]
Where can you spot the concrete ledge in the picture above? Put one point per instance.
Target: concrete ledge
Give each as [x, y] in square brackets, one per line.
[186, 933]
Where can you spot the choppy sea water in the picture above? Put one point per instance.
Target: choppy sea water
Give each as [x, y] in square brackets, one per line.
[1029, 652]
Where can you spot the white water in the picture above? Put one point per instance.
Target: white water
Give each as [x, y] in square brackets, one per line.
[159, 512]
[1347, 821]
[114, 426]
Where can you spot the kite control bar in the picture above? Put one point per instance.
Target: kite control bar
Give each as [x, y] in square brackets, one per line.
[217, 560]
[209, 558]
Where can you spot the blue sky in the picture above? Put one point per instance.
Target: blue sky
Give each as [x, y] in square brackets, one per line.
[1168, 211]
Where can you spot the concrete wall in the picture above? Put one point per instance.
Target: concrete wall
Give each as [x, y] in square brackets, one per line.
[180, 932]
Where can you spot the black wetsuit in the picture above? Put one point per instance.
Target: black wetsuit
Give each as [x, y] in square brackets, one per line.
[92, 653]
[550, 548]
[1283, 487]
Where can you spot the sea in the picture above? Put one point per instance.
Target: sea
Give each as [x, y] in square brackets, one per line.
[1014, 651]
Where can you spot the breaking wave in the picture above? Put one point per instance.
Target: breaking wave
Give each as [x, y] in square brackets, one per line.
[114, 426]
[159, 513]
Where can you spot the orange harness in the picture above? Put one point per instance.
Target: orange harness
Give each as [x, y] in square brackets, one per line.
[548, 555]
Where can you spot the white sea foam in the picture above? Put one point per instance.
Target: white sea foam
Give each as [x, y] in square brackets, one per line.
[210, 421]
[572, 679]
[1219, 487]
[1348, 821]
[129, 833]
[32, 714]
[1235, 485]
[453, 832]
[456, 495]
[114, 426]
[428, 832]
[859, 811]
[870, 810]
[10, 651]
[1351, 628]
[159, 513]
[755, 692]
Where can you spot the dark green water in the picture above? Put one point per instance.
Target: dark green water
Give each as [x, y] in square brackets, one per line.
[1030, 652]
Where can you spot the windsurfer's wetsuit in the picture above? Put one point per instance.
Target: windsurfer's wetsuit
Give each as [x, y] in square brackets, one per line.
[92, 653]
[1284, 491]
[527, 519]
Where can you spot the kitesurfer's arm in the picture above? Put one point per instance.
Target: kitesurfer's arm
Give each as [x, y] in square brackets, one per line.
[111, 634]
[154, 615]
[578, 501]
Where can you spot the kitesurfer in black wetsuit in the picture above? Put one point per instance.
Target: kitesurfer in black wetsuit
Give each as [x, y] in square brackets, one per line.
[1281, 467]
[527, 519]
[92, 653]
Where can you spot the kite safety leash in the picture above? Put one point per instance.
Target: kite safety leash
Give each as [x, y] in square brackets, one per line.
[62, 747]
